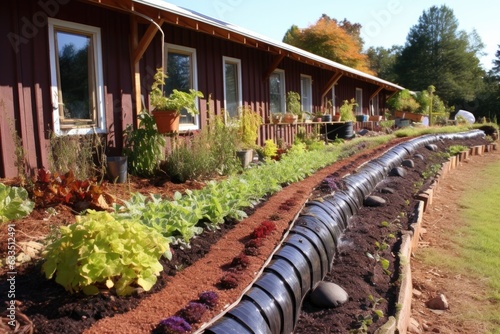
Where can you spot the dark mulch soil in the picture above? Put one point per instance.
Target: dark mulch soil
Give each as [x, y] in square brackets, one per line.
[53, 310]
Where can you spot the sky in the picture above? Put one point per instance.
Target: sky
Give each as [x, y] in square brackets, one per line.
[384, 22]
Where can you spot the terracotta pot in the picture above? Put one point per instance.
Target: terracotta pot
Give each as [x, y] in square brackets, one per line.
[167, 121]
[290, 118]
[409, 115]
[336, 118]
[318, 119]
[276, 119]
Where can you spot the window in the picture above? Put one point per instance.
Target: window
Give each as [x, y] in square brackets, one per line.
[277, 92]
[182, 75]
[232, 86]
[76, 78]
[359, 101]
[375, 106]
[306, 93]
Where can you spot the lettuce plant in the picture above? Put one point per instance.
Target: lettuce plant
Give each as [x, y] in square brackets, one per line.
[100, 251]
[14, 203]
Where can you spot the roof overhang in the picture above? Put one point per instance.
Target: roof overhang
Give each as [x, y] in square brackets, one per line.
[172, 14]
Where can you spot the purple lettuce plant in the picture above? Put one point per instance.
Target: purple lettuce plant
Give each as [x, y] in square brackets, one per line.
[209, 298]
[193, 312]
[175, 325]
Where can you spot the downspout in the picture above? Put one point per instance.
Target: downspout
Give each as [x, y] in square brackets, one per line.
[162, 35]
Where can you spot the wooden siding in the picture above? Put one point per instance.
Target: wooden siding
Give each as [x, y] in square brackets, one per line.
[25, 103]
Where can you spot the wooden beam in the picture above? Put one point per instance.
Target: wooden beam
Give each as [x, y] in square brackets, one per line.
[273, 66]
[376, 92]
[333, 80]
[145, 41]
[135, 69]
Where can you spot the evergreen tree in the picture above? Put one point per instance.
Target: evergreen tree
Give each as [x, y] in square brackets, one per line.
[437, 53]
[382, 61]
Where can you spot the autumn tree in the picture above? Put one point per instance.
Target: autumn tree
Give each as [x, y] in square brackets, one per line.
[437, 53]
[328, 38]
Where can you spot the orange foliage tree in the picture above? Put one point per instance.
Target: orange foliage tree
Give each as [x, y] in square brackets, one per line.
[330, 39]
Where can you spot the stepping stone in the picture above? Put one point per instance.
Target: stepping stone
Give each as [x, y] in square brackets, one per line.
[398, 171]
[408, 163]
[431, 147]
[387, 190]
[327, 295]
[374, 201]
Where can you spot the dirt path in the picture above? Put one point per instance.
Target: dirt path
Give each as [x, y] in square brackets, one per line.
[441, 220]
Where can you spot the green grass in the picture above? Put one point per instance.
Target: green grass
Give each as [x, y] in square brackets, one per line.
[476, 251]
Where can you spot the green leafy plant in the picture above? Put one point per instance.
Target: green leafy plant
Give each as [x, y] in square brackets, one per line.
[270, 149]
[347, 110]
[364, 321]
[293, 103]
[456, 149]
[248, 124]
[176, 101]
[403, 101]
[144, 146]
[102, 252]
[14, 203]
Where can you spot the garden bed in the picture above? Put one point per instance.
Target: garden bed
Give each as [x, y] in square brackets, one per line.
[52, 310]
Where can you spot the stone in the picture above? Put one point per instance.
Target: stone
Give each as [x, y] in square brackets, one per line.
[419, 156]
[374, 201]
[387, 190]
[416, 293]
[327, 295]
[398, 171]
[431, 147]
[408, 163]
[438, 303]
[414, 327]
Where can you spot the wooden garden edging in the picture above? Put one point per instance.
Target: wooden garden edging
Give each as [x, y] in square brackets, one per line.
[411, 238]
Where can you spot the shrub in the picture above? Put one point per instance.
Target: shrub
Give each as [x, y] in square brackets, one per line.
[144, 146]
[99, 251]
[210, 152]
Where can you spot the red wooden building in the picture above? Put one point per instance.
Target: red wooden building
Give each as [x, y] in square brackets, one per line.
[102, 54]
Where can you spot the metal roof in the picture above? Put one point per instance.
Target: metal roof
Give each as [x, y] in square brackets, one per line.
[231, 28]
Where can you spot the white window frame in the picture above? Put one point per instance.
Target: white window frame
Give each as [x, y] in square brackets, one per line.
[56, 25]
[306, 106]
[359, 101]
[237, 62]
[375, 105]
[194, 79]
[281, 74]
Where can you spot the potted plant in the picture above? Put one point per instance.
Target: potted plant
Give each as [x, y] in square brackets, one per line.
[248, 124]
[405, 106]
[276, 118]
[167, 109]
[293, 107]
[347, 111]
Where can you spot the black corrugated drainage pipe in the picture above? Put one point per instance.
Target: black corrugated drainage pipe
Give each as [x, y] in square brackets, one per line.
[272, 303]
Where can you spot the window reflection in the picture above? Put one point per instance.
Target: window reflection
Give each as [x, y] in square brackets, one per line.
[76, 76]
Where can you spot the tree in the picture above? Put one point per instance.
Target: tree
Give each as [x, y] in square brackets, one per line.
[340, 42]
[437, 53]
[382, 61]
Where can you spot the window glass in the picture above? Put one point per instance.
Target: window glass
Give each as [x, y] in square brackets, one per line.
[179, 72]
[305, 93]
[231, 88]
[359, 101]
[277, 89]
[77, 86]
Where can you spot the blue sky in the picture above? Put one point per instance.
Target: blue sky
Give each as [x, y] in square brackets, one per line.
[385, 22]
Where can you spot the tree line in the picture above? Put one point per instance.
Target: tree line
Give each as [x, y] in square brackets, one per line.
[436, 53]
